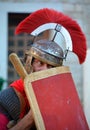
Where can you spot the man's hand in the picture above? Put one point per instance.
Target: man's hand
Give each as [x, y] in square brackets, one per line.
[25, 123]
[11, 124]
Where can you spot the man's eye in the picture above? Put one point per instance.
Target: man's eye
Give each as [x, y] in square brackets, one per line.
[41, 63]
[50, 66]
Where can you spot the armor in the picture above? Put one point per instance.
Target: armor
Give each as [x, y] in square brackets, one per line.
[11, 106]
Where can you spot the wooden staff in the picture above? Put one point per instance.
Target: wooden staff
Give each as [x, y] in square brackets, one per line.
[29, 91]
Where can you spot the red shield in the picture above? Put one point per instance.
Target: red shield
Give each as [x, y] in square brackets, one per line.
[54, 100]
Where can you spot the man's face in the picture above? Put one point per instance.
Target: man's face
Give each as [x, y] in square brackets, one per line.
[39, 65]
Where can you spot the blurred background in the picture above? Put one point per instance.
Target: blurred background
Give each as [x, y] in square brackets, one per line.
[13, 11]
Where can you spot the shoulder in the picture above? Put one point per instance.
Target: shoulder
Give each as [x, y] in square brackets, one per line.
[18, 85]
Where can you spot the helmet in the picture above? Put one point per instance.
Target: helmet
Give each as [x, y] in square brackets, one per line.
[48, 52]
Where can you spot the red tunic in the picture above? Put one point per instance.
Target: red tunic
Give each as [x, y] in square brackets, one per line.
[19, 86]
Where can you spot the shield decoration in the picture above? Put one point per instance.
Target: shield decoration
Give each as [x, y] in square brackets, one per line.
[54, 100]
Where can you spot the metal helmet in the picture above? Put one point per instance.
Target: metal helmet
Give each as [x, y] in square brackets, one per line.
[48, 52]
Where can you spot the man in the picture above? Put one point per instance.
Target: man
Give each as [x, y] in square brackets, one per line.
[17, 89]
[28, 119]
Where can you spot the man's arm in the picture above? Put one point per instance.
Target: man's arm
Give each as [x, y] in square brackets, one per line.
[25, 123]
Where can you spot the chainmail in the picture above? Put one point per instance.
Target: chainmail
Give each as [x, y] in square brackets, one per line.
[10, 104]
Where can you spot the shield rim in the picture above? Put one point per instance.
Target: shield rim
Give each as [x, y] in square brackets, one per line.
[31, 95]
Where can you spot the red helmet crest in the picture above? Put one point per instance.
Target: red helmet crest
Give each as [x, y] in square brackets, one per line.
[46, 15]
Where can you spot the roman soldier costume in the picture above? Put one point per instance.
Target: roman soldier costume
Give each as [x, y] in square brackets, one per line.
[51, 94]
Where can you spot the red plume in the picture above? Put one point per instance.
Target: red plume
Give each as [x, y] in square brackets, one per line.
[46, 15]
